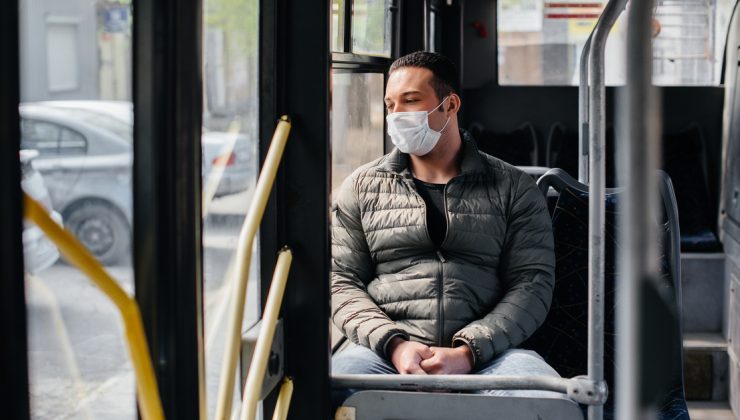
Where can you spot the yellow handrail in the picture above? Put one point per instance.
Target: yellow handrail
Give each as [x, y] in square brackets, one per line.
[75, 252]
[243, 262]
[257, 368]
[283, 401]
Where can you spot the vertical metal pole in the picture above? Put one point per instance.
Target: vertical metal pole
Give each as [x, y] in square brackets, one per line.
[583, 113]
[596, 213]
[639, 141]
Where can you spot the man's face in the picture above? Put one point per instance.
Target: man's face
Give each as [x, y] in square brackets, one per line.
[410, 89]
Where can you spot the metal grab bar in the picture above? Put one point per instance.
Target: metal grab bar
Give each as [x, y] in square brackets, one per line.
[450, 382]
[583, 112]
[283, 401]
[638, 117]
[580, 388]
[75, 253]
[596, 198]
[243, 262]
[262, 349]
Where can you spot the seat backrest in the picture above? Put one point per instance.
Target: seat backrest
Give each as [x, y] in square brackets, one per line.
[562, 149]
[562, 339]
[517, 147]
[685, 160]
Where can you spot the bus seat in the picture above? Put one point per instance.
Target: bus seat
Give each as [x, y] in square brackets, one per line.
[377, 405]
[562, 149]
[685, 160]
[517, 147]
[562, 339]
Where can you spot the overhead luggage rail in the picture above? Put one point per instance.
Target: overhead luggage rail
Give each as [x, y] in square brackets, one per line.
[146, 382]
[243, 259]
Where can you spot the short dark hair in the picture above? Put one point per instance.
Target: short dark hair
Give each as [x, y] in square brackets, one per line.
[445, 80]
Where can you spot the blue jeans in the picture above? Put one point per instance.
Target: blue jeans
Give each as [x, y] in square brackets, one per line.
[357, 359]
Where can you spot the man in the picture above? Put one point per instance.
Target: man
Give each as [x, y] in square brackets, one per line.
[442, 256]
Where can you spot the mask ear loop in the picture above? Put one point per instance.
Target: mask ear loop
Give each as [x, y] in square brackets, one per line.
[442, 130]
[440, 104]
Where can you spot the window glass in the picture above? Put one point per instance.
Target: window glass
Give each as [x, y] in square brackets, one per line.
[357, 122]
[116, 118]
[76, 55]
[371, 27]
[540, 43]
[230, 168]
[40, 136]
[61, 54]
[337, 25]
[71, 143]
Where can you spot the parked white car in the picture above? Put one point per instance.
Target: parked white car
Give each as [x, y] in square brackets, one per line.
[39, 252]
[86, 155]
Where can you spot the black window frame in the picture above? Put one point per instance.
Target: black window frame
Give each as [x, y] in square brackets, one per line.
[168, 266]
[14, 350]
[347, 61]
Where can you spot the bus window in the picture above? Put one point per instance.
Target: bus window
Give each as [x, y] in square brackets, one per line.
[357, 122]
[230, 167]
[76, 74]
[337, 25]
[540, 43]
[371, 27]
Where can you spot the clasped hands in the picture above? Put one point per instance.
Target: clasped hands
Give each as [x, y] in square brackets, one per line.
[411, 357]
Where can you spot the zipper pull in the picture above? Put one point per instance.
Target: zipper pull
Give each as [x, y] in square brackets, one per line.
[441, 256]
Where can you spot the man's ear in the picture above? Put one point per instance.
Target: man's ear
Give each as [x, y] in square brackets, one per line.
[454, 103]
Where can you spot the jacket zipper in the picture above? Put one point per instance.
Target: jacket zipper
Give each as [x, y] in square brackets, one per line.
[440, 302]
[441, 257]
[442, 261]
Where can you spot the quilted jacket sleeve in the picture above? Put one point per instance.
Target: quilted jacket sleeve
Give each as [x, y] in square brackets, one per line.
[527, 270]
[353, 311]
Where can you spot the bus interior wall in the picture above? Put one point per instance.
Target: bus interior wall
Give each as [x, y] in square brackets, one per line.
[502, 109]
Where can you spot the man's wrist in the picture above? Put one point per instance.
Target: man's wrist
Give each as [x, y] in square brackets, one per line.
[393, 343]
[464, 350]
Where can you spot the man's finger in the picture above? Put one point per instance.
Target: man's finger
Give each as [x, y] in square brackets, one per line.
[428, 364]
[417, 370]
[426, 353]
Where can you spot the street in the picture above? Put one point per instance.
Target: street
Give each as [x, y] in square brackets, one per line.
[79, 365]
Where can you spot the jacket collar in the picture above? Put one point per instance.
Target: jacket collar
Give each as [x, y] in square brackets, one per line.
[472, 162]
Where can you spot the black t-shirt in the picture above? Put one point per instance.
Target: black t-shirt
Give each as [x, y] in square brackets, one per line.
[434, 197]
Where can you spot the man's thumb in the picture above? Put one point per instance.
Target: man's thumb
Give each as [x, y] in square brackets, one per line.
[426, 352]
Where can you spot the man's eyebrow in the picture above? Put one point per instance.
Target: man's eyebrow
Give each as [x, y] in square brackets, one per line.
[407, 93]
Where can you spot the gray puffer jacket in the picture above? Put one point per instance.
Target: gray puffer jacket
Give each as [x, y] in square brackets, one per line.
[488, 286]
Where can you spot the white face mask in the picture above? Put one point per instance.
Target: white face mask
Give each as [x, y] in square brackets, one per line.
[410, 131]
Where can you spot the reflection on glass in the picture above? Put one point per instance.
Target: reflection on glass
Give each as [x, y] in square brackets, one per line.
[76, 121]
[540, 43]
[357, 122]
[230, 167]
[337, 25]
[371, 27]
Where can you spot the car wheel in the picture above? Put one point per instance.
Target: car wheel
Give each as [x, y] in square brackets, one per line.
[102, 229]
